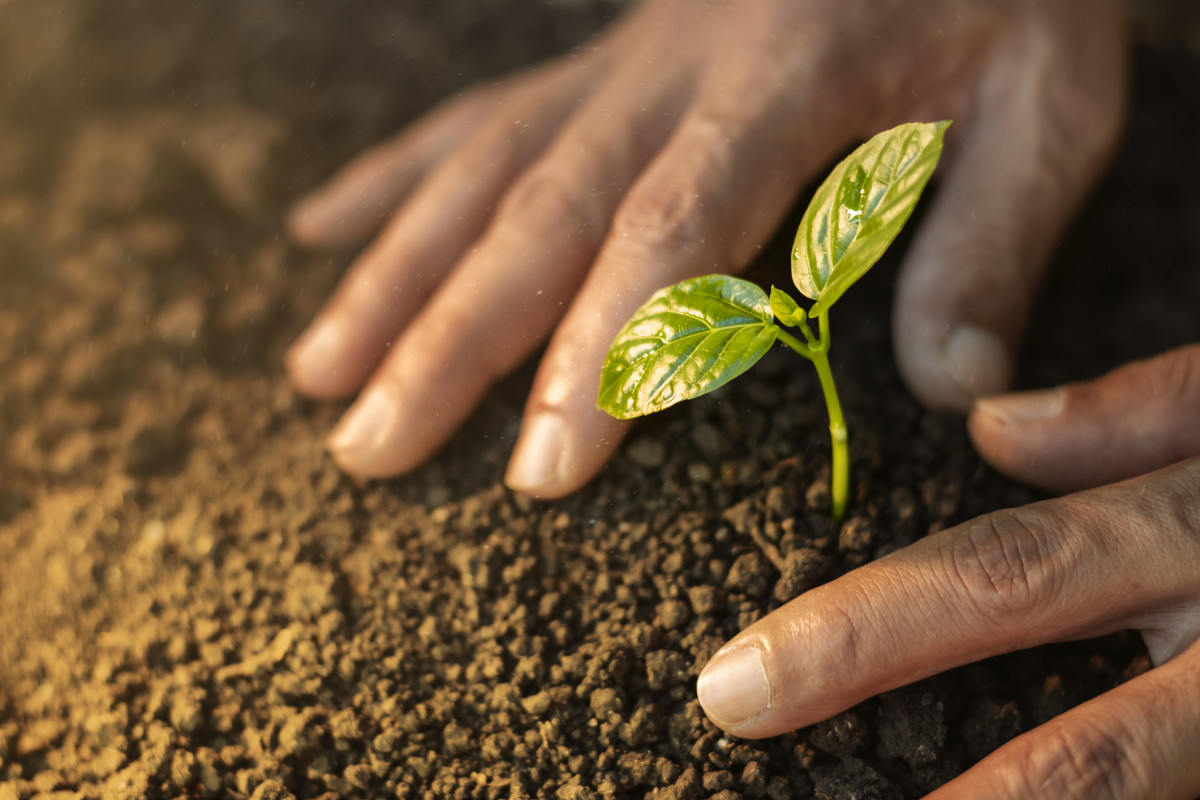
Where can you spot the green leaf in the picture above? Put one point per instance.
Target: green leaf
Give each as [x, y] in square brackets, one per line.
[687, 340]
[786, 309]
[860, 208]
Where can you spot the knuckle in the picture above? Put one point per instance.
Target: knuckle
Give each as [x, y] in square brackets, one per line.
[662, 219]
[1174, 378]
[546, 195]
[844, 642]
[843, 638]
[1007, 564]
[1081, 761]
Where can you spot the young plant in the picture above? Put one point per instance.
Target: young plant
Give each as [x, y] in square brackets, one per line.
[695, 336]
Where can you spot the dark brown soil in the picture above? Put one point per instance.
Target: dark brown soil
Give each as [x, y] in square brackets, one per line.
[194, 602]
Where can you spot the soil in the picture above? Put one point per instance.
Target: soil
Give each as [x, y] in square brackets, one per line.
[194, 602]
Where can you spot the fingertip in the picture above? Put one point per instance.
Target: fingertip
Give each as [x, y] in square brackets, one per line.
[304, 220]
[976, 361]
[558, 453]
[361, 443]
[734, 688]
[1000, 423]
[949, 371]
[1027, 436]
[315, 362]
[327, 220]
[538, 459]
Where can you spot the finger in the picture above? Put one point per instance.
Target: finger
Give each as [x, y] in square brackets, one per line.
[1041, 132]
[1136, 741]
[704, 205]
[1079, 566]
[503, 299]
[392, 280]
[356, 201]
[1138, 418]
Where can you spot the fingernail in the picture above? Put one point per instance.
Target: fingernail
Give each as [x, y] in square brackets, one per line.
[1015, 409]
[976, 361]
[363, 428]
[319, 350]
[539, 456]
[733, 688]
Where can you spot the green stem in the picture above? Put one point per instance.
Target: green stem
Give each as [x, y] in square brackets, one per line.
[794, 343]
[840, 481]
[840, 477]
[818, 354]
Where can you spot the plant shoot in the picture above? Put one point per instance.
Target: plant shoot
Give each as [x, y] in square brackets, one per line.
[697, 335]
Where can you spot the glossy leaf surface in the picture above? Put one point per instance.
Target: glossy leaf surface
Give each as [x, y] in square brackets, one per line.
[687, 340]
[860, 208]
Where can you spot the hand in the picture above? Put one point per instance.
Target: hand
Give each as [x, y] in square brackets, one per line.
[1123, 556]
[672, 146]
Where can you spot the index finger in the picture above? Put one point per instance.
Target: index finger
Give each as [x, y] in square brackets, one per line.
[1075, 567]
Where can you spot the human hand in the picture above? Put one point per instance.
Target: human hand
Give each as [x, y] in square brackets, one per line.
[1125, 556]
[670, 147]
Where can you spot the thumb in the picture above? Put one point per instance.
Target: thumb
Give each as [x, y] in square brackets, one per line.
[1136, 419]
[1043, 124]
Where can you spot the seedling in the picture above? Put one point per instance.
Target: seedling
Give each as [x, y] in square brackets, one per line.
[695, 336]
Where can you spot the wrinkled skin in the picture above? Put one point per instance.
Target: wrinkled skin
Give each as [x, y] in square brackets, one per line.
[1125, 555]
[552, 204]
[671, 147]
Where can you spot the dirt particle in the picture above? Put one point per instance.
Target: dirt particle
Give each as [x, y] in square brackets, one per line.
[209, 764]
[857, 535]
[646, 453]
[846, 734]
[131, 783]
[638, 768]
[359, 776]
[309, 592]
[497, 746]
[641, 727]
[709, 441]
[187, 709]
[271, 790]
[537, 704]
[575, 792]
[749, 574]
[299, 734]
[673, 614]
[717, 780]
[816, 497]
[754, 780]
[181, 323]
[182, 770]
[912, 725]
[605, 702]
[686, 787]
[155, 449]
[803, 568]
[851, 777]
[457, 739]
[704, 599]
[665, 668]
[345, 726]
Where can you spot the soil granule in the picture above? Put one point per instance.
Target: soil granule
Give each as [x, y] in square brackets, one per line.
[194, 602]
